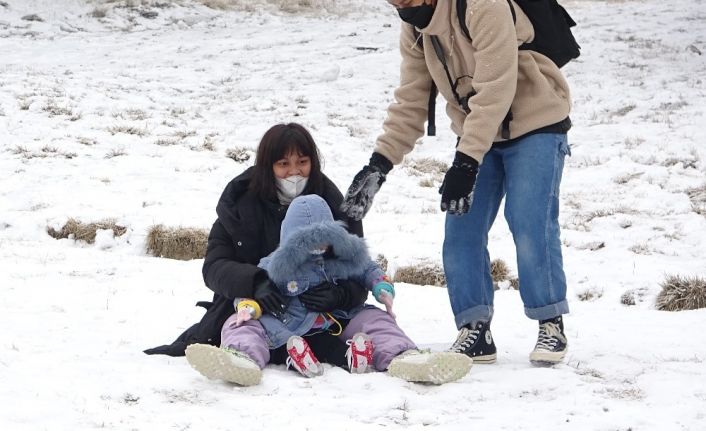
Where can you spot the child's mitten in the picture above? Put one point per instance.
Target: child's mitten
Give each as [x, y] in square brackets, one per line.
[246, 309]
[384, 293]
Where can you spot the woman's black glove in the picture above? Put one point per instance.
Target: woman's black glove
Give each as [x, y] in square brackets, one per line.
[268, 297]
[365, 185]
[327, 296]
[457, 189]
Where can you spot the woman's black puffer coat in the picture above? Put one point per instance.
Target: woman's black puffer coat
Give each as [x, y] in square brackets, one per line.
[247, 229]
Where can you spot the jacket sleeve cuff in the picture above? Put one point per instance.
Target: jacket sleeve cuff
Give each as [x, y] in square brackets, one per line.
[381, 162]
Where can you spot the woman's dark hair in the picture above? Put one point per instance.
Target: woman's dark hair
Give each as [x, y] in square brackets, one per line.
[277, 143]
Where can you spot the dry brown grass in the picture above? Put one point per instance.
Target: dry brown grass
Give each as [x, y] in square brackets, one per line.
[167, 142]
[698, 199]
[381, 260]
[590, 294]
[128, 130]
[239, 154]
[425, 274]
[634, 296]
[515, 283]
[628, 298]
[289, 6]
[682, 293]
[432, 274]
[76, 230]
[133, 114]
[115, 152]
[177, 243]
[208, 143]
[499, 270]
[426, 165]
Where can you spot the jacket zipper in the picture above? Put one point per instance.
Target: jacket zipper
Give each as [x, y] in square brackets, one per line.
[322, 268]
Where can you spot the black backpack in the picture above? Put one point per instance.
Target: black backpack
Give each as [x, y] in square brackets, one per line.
[552, 38]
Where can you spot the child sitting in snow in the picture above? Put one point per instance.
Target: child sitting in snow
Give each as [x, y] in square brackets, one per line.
[315, 249]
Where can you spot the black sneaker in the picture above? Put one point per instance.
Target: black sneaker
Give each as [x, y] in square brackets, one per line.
[551, 343]
[476, 342]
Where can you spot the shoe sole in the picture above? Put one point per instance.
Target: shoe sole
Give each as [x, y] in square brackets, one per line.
[218, 364]
[439, 368]
[545, 359]
[358, 340]
[485, 359]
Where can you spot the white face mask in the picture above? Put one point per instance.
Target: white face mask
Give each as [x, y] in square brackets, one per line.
[290, 187]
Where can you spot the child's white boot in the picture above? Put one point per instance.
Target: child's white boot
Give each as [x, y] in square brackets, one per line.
[223, 364]
[430, 367]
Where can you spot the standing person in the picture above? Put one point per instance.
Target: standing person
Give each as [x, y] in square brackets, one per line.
[250, 212]
[510, 110]
[315, 250]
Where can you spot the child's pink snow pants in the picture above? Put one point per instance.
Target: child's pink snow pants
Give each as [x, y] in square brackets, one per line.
[388, 339]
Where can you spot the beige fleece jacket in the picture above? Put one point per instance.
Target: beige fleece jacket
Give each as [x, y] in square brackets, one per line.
[527, 82]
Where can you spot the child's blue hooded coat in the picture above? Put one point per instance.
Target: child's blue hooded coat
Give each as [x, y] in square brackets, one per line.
[300, 263]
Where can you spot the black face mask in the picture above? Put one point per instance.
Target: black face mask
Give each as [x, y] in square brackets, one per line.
[418, 16]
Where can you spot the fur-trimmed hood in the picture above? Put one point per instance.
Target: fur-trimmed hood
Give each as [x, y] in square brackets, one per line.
[313, 249]
[302, 259]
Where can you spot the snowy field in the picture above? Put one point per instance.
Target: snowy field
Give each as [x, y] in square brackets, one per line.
[128, 113]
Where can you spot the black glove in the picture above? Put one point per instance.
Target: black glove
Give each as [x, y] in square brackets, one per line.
[365, 185]
[457, 189]
[327, 296]
[268, 297]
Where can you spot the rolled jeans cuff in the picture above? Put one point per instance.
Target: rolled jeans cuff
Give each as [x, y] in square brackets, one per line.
[548, 311]
[483, 313]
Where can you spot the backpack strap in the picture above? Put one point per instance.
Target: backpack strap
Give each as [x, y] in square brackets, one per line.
[431, 110]
[439, 51]
[461, 6]
[505, 131]
[461, 11]
[433, 91]
[512, 11]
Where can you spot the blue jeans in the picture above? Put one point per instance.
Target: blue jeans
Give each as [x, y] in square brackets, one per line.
[528, 174]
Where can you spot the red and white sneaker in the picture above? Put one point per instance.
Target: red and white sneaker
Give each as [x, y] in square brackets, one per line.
[360, 353]
[301, 358]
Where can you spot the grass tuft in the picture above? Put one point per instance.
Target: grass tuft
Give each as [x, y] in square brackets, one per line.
[128, 130]
[499, 271]
[426, 165]
[381, 260]
[515, 283]
[239, 154]
[682, 293]
[177, 243]
[432, 274]
[590, 294]
[428, 274]
[697, 195]
[634, 296]
[76, 230]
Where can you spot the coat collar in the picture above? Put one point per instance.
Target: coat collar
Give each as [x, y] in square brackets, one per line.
[439, 24]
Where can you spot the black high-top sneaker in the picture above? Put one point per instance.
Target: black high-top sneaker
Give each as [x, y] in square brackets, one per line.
[476, 341]
[551, 342]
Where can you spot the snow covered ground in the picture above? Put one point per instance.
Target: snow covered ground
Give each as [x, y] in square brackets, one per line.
[113, 112]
